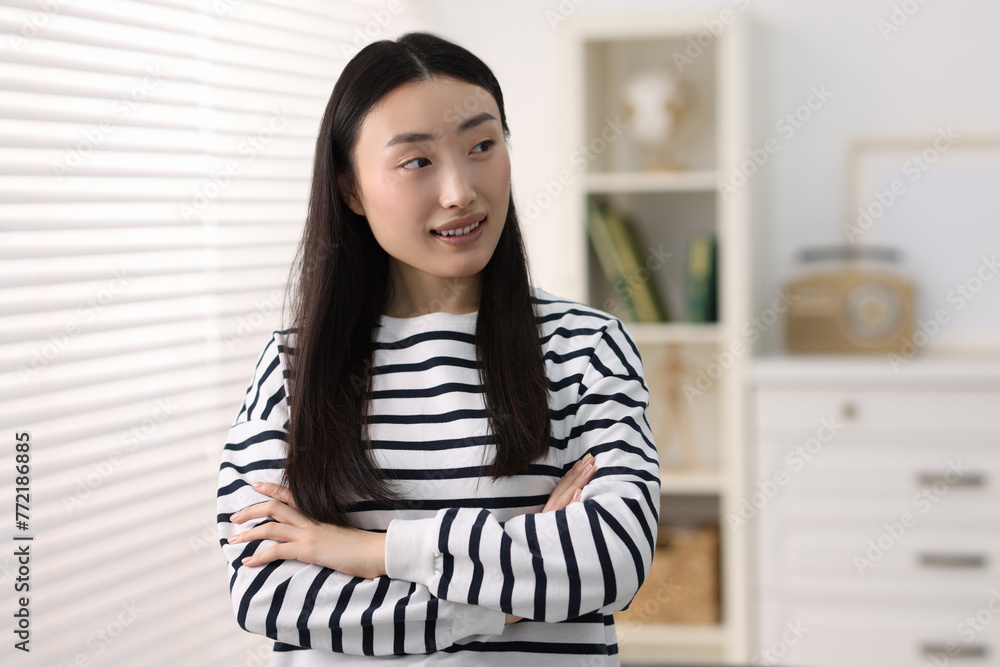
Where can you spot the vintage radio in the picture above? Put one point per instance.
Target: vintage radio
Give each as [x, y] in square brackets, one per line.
[849, 300]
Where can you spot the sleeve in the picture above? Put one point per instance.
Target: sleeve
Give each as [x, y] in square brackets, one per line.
[591, 556]
[304, 604]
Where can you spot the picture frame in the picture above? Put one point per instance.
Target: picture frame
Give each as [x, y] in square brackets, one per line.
[936, 200]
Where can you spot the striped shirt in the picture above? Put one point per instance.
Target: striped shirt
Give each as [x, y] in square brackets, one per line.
[462, 550]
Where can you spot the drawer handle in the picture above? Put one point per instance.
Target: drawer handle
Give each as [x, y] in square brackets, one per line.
[959, 651]
[953, 560]
[972, 480]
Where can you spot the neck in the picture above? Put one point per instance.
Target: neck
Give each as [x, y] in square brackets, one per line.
[413, 293]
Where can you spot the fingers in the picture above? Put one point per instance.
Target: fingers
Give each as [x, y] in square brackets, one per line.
[567, 497]
[571, 476]
[557, 500]
[578, 468]
[269, 555]
[573, 481]
[279, 532]
[566, 483]
[288, 538]
[569, 487]
[285, 529]
[352, 551]
[275, 509]
[276, 491]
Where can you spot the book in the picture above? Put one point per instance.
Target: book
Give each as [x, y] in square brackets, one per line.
[604, 246]
[618, 250]
[702, 280]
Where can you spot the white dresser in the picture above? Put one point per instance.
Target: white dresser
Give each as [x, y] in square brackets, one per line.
[875, 514]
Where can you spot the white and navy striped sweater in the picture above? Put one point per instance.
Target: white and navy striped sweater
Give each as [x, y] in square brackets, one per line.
[462, 550]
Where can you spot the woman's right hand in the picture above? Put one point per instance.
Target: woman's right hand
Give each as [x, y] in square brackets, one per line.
[568, 490]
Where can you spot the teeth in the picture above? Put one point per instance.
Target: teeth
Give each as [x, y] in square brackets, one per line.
[459, 232]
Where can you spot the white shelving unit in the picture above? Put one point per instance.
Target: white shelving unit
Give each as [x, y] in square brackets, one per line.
[667, 207]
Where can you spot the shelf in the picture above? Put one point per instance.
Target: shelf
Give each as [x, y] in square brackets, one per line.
[620, 68]
[666, 181]
[652, 333]
[674, 482]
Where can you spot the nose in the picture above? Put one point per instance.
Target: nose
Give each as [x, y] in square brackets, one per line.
[457, 189]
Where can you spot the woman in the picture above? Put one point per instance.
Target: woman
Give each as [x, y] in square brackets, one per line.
[470, 469]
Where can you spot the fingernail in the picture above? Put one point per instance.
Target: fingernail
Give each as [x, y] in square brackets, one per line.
[257, 485]
[232, 539]
[576, 495]
[234, 516]
[246, 560]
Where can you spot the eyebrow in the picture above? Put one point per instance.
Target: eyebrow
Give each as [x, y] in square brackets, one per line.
[416, 137]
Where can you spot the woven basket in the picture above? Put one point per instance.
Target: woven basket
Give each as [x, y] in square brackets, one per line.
[683, 582]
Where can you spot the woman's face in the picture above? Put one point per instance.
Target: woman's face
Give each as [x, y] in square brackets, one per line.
[431, 156]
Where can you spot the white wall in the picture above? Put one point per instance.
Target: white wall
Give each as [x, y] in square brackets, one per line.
[940, 68]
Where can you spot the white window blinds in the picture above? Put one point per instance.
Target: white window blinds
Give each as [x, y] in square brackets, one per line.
[155, 160]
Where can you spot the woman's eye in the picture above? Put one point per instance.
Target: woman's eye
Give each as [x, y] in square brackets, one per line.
[487, 144]
[416, 159]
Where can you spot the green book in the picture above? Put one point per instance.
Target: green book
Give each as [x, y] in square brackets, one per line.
[702, 280]
[637, 280]
[604, 246]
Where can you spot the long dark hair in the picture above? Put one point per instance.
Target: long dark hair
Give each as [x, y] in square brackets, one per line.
[338, 287]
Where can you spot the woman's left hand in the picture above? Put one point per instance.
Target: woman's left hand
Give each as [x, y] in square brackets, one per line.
[352, 551]
[567, 491]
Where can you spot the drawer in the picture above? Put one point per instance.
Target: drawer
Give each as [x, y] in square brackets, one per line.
[810, 635]
[879, 562]
[872, 467]
[912, 410]
[955, 509]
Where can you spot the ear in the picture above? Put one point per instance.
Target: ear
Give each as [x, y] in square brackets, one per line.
[346, 189]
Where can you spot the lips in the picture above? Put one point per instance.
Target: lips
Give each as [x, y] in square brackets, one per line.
[454, 237]
[460, 226]
[461, 231]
